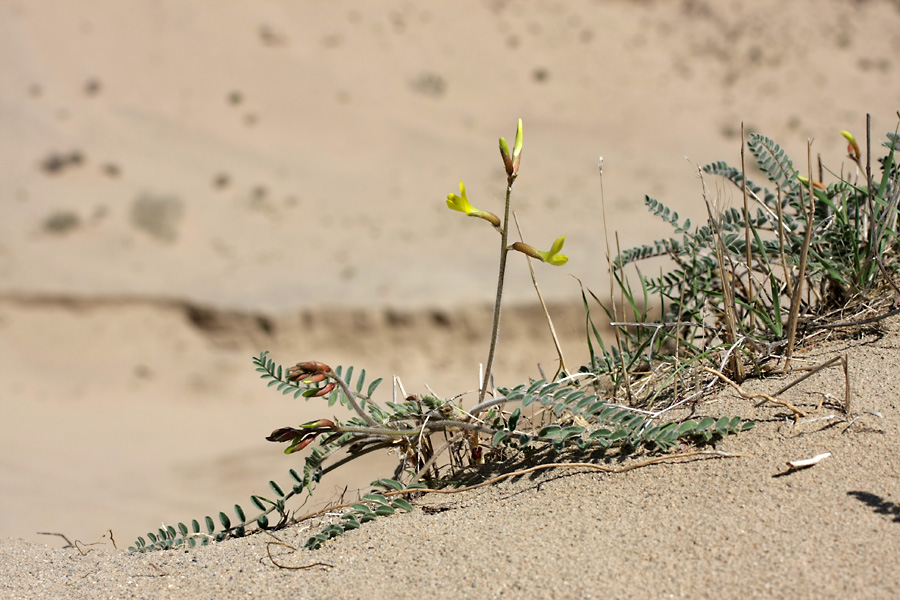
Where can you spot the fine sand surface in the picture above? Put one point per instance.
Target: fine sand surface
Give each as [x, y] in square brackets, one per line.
[187, 183]
[743, 527]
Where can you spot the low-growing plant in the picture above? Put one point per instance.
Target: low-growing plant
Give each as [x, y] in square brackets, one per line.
[731, 305]
[753, 282]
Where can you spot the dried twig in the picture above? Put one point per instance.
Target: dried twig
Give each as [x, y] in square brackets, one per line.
[765, 397]
[748, 247]
[845, 362]
[563, 465]
[562, 359]
[292, 567]
[809, 213]
[573, 465]
[812, 372]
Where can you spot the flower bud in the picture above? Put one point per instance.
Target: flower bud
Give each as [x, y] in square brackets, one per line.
[517, 149]
[325, 390]
[300, 445]
[319, 424]
[527, 249]
[552, 256]
[284, 434]
[852, 147]
[507, 160]
[313, 366]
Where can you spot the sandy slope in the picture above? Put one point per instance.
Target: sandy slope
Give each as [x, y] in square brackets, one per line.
[712, 528]
[188, 183]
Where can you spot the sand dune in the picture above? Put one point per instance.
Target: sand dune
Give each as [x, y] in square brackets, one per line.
[186, 183]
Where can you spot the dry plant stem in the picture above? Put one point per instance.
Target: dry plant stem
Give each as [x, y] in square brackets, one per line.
[869, 180]
[765, 397]
[876, 229]
[292, 568]
[69, 543]
[804, 252]
[747, 232]
[664, 324]
[487, 404]
[875, 319]
[435, 455]
[563, 465]
[727, 283]
[495, 329]
[429, 427]
[845, 362]
[812, 372]
[77, 544]
[609, 267]
[562, 359]
[625, 376]
[677, 343]
[784, 265]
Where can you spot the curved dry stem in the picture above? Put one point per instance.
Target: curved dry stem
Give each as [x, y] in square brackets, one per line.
[564, 465]
[765, 397]
[432, 427]
[292, 567]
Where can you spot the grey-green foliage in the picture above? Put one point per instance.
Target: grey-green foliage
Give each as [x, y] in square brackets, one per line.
[615, 426]
[849, 234]
[370, 507]
[608, 424]
[178, 536]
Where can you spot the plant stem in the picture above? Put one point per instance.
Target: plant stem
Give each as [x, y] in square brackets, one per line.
[447, 425]
[352, 398]
[809, 213]
[504, 251]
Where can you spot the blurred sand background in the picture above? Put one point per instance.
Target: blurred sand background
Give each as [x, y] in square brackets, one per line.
[186, 183]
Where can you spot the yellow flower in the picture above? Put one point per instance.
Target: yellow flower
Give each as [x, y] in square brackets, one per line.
[816, 184]
[517, 148]
[853, 147]
[553, 256]
[462, 204]
[511, 161]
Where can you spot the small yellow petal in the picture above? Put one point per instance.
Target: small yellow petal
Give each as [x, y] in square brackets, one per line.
[853, 148]
[517, 149]
[553, 256]
[557, 245]
[558, 260]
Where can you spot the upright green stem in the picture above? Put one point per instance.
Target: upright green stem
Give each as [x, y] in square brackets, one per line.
[504, 250]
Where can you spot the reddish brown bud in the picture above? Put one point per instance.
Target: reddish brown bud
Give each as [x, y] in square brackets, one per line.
[301, 445]
[325, 390]
[313, 366]
[507, 160]
[284, 434]
[319, 424]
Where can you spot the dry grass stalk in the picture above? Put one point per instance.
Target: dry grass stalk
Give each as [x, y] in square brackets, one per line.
[748, 248]
[728, 278]
[562, 359]
[845, 362]
[809, 213]
[765, 397]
